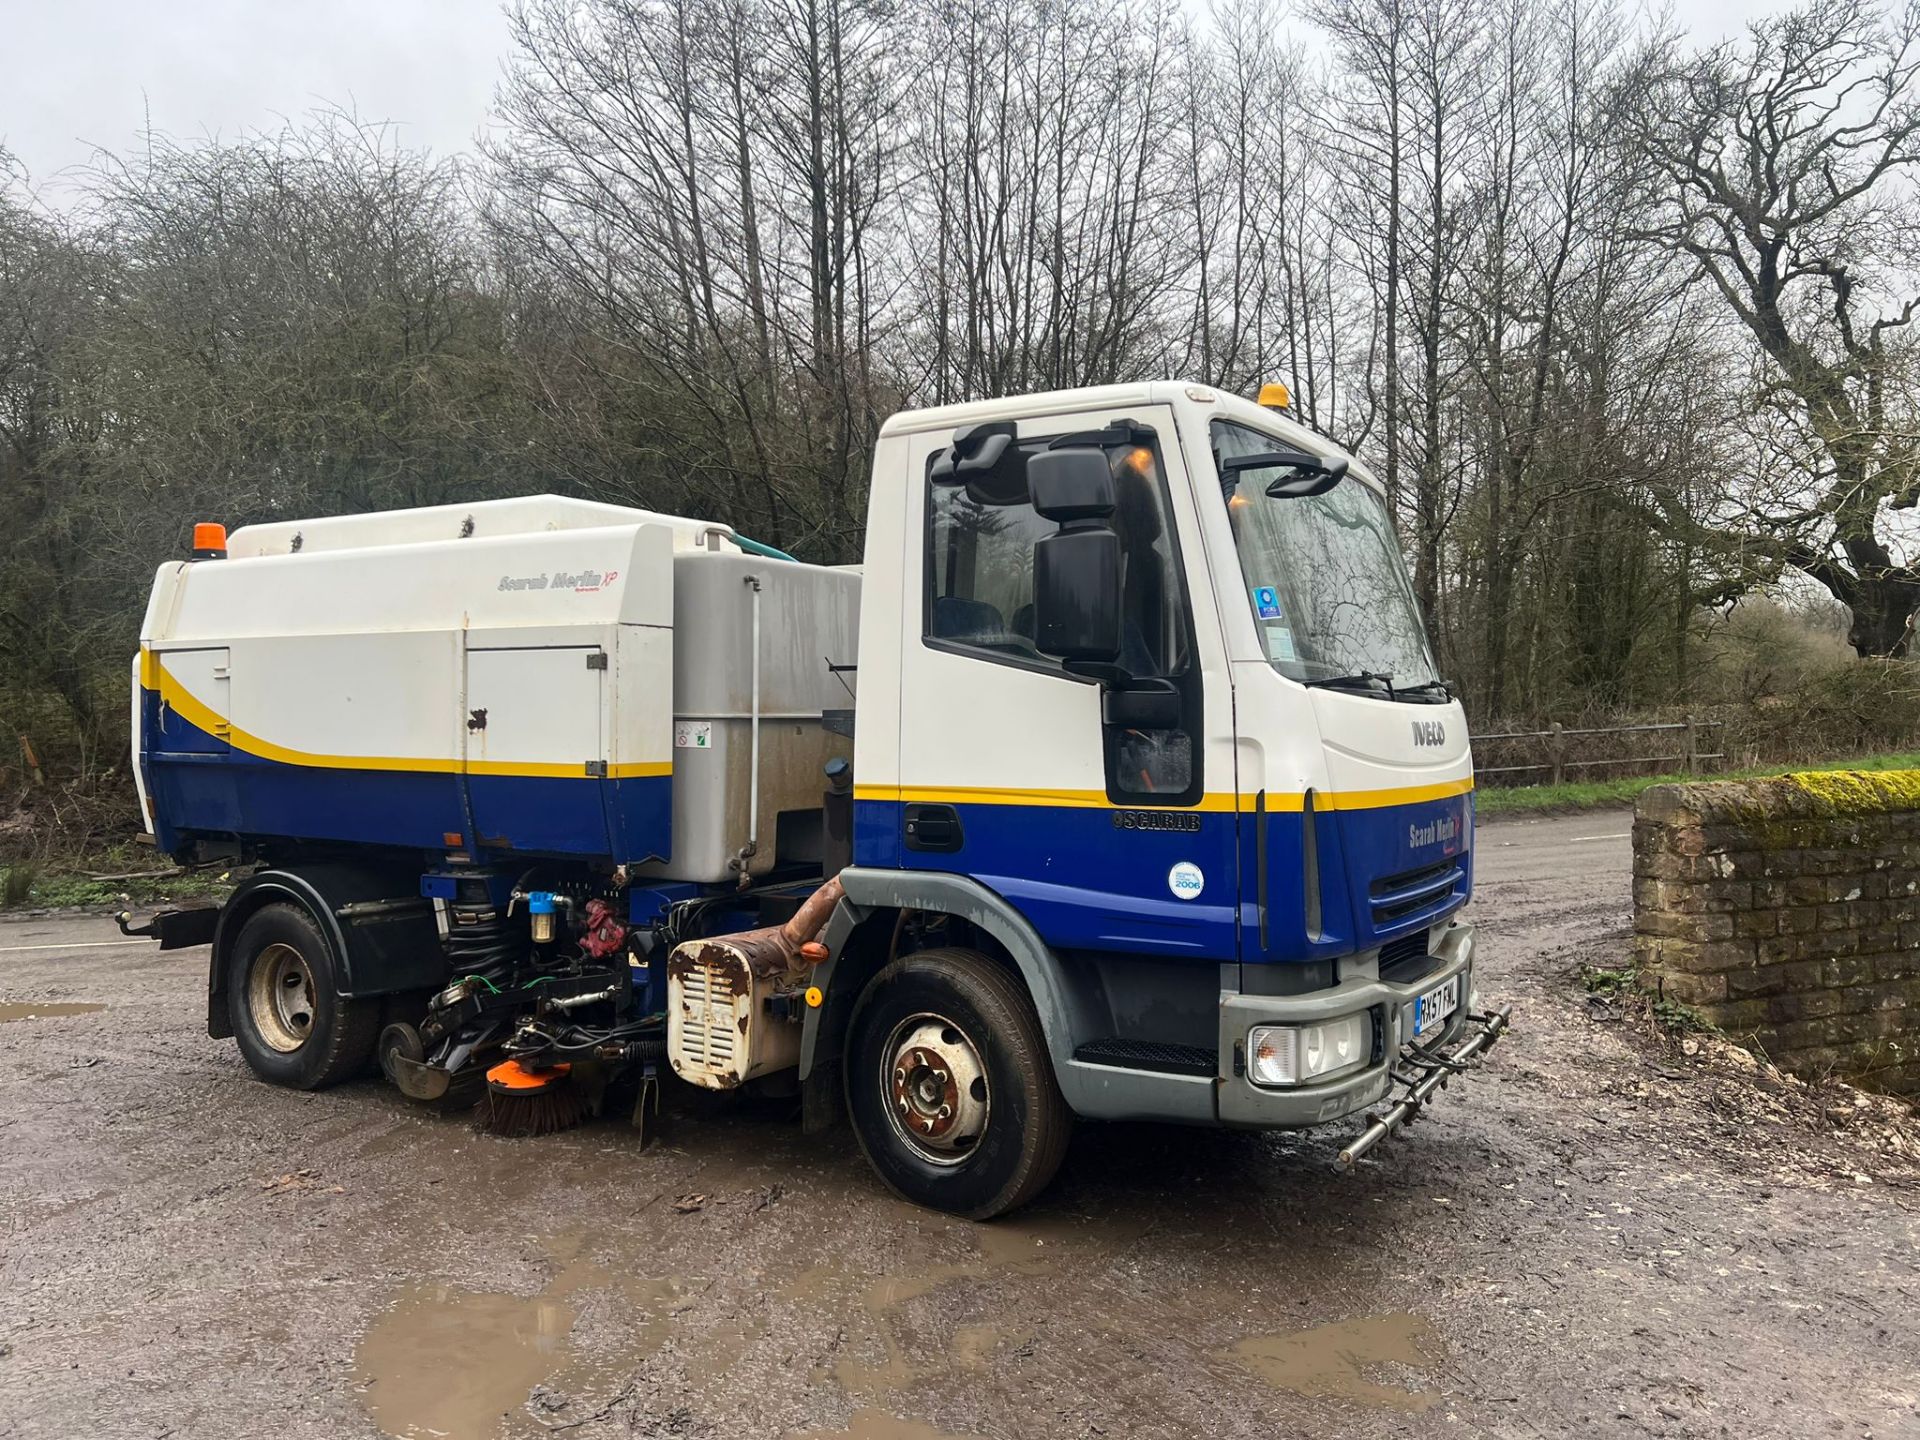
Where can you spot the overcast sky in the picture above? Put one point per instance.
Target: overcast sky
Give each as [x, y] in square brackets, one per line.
[79, 75]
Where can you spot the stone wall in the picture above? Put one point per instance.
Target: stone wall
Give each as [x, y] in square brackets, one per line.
[1787, 913]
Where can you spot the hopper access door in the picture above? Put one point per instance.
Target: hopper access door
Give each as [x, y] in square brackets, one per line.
[535, 748]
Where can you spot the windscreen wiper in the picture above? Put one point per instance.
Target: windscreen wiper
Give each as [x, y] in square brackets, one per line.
[1358, 680]
[1429, 687]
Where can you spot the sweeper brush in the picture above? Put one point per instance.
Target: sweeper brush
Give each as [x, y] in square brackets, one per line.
[523, 1100]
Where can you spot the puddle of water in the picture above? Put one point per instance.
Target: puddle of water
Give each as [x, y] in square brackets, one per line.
[443, 1362]
[718, 1353]
[447, 1362]
[878, 1425]
[43, 1009]
[1330, 1361]
[1036, 1246]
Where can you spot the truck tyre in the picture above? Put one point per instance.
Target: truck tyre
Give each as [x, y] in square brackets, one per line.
[283, 996]
[950, 1087]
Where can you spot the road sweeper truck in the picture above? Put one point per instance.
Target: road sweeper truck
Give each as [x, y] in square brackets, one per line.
[1116, 782]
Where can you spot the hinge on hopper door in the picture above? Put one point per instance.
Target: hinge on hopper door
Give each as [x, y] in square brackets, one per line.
[597, 769]
[596, 660]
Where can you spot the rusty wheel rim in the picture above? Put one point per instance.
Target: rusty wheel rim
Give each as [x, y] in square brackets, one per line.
[280, 998]
[935, 1088]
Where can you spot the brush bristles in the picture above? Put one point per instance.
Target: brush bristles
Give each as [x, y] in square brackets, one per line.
[559, 1106]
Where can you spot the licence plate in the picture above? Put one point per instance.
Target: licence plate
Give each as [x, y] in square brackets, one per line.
[1431, 1010]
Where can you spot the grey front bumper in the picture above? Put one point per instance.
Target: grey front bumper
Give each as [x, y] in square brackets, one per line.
[1229, 1097]
[1240, 1102]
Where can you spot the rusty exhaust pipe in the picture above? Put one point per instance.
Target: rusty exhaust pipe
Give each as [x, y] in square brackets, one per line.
[812, 916]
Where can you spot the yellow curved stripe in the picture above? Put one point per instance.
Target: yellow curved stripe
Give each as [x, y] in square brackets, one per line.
[1407, 795]
[154, 676]
[1214, 802]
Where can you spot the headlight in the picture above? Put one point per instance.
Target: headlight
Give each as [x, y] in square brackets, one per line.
[1298, 1054]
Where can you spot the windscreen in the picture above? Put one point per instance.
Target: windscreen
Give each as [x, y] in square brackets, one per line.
[1323, 573]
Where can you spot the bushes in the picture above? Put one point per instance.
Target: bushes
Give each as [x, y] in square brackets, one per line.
[1768, 681]
[1853, 709]
[63, 819]
[16, 883]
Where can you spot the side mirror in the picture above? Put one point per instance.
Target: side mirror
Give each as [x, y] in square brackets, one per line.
[1300, 474]
[1076, 572]
[1072, 484]
[984, 458]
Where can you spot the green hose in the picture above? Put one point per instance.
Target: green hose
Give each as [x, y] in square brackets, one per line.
[754, 547]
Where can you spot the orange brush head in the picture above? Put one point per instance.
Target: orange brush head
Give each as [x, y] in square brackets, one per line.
[510, 1077]
[531, 1100]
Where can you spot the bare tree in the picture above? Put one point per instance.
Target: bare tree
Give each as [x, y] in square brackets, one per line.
[1781, 166]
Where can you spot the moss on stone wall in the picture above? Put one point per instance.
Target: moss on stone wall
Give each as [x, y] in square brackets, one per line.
[1859, 792]
[1787, 911]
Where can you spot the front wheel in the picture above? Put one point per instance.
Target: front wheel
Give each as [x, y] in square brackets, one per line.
[283, 998]
[950, 1087]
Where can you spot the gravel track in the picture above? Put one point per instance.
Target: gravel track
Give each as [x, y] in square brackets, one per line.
[1599, 1233]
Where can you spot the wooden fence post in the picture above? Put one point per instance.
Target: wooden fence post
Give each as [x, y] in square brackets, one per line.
[1693, 748]
[1559, 742]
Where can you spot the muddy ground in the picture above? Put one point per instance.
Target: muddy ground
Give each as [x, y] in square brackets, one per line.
[1600, 1234]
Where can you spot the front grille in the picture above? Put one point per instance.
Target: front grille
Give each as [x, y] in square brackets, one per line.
[1405, 960]
[1150, 1055]
[1397, 898]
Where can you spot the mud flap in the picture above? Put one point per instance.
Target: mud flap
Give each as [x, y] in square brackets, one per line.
[646, 1109]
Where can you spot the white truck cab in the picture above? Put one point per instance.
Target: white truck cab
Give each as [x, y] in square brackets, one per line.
[1179, 742]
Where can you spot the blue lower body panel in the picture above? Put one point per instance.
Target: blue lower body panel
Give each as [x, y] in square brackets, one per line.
[200, 785]
[243, 795]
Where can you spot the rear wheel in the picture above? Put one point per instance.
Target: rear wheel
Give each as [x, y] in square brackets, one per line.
[283, 998]
[950, 1087]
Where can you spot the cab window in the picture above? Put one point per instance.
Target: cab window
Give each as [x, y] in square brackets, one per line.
[981, 531]
[980, 538]
[981, 563]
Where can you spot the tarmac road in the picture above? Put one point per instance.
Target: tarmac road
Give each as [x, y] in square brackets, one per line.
[1597, 1234]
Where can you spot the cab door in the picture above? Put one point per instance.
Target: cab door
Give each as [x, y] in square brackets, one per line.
[1106, 835]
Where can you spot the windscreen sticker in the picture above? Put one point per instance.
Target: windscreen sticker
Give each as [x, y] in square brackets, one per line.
[1280, 643]
[1266, 602]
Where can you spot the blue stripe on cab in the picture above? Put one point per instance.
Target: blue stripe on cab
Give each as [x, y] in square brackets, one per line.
[1083, 883]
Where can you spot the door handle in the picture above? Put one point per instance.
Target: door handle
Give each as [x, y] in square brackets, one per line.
[934, 827]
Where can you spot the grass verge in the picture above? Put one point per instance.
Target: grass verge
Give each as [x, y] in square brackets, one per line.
[1604, 794]
[131, 881]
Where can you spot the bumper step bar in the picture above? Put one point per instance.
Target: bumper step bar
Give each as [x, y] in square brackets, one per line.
[1434, 1074]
